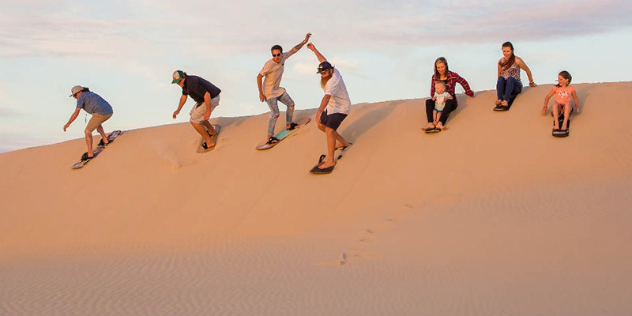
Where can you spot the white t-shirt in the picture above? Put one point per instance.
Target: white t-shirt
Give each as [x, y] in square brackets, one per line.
[339, 101]
[272, 73]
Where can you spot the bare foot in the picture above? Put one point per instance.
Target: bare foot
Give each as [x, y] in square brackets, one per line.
[498, 102]
[326, 164]
[504, 103]
[343, 147]
[427, 127]
[440, 126]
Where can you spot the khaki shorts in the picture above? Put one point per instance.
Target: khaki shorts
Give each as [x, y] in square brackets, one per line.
[96, 120]
[199, 109]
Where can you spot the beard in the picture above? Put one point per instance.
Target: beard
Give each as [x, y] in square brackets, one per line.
[323, 81]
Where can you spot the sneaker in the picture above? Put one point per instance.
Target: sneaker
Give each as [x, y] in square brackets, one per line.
[85, 157]
[272, 140]
[292, 127]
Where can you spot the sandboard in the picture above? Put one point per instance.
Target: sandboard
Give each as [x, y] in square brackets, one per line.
[560, 133]
[338, 153]
[500, 108]
[432, 130]
[217, 128]
[98, 150]
[284, 134]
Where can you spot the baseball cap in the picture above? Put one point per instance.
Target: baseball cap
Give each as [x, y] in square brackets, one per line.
[324, 66]
[177, 76]
[76, 89]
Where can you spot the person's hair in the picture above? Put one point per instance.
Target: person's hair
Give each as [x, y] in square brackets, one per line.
[277, 47]
[566, 75]
[323, 81]
[445, 86]
[512, 58]
[443, 61]
[85, 89]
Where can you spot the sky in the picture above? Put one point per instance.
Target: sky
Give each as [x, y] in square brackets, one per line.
[126, 51]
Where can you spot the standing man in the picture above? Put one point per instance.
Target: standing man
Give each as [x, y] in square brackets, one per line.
[270, 90]
[206, 97]
[333, 109]
[99, 108]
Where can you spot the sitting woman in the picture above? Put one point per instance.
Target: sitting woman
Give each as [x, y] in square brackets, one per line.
[509, 83]
[450, 79]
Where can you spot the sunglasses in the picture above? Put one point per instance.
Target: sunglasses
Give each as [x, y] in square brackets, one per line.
[276, 55]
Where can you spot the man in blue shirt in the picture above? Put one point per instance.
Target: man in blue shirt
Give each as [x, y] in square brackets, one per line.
[206, 97]
[99, 108]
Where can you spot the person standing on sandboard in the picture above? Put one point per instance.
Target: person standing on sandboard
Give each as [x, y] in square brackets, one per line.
[272, 93]
[101, 111]
[206, 97]
[333, 109]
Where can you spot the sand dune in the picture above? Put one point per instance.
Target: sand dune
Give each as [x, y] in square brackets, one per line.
[492, 217]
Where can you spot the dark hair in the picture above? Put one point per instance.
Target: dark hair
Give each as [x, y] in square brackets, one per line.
[85, 89]
[277, 46]
[512, 58]
[566, 75]
[443, 61]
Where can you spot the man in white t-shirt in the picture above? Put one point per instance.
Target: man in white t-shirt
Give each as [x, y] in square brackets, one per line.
[333, 109]
[271, 92]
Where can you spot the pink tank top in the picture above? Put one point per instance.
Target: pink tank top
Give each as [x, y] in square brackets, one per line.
[563, 94]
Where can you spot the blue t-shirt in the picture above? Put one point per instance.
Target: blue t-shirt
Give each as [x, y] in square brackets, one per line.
[93, 103]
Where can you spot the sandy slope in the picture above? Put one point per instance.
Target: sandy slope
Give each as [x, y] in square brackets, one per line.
[492, 217]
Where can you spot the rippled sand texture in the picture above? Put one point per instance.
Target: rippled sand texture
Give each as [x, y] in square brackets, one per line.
[492, 217]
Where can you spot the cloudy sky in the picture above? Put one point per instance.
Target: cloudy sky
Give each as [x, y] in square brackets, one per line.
[126, 51]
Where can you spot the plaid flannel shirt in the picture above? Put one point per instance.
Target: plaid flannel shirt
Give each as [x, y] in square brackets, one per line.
[453, 78]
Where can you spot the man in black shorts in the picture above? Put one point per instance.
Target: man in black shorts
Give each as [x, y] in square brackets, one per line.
[333, 109]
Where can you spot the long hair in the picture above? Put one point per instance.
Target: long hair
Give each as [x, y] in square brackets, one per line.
[443, 61]
[566, 75]
[323, 81]
[512, 58]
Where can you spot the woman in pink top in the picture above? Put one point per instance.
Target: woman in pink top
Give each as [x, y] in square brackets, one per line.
[563, 92]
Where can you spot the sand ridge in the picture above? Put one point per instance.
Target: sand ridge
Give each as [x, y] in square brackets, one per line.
[492, 216]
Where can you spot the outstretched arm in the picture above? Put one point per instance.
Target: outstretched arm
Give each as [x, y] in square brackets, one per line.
[74, 115]
[546, 101]
[576, 101]
[320, 56]
[526, 69]
[464, 84]
[300, 45]
[183, 99]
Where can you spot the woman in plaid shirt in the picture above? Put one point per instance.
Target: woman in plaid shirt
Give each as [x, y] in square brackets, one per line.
[450, 79]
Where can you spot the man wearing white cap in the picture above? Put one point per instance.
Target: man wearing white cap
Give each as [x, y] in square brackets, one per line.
[206, 97]
[99, 108]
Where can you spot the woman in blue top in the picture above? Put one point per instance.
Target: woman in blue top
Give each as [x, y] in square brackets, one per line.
[99, 108]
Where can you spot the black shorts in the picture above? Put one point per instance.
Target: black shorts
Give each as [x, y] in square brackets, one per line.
[332, 120]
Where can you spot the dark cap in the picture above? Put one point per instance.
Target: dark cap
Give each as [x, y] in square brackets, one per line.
[324, 66]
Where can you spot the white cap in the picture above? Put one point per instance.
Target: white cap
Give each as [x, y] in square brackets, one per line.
[76, 89]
